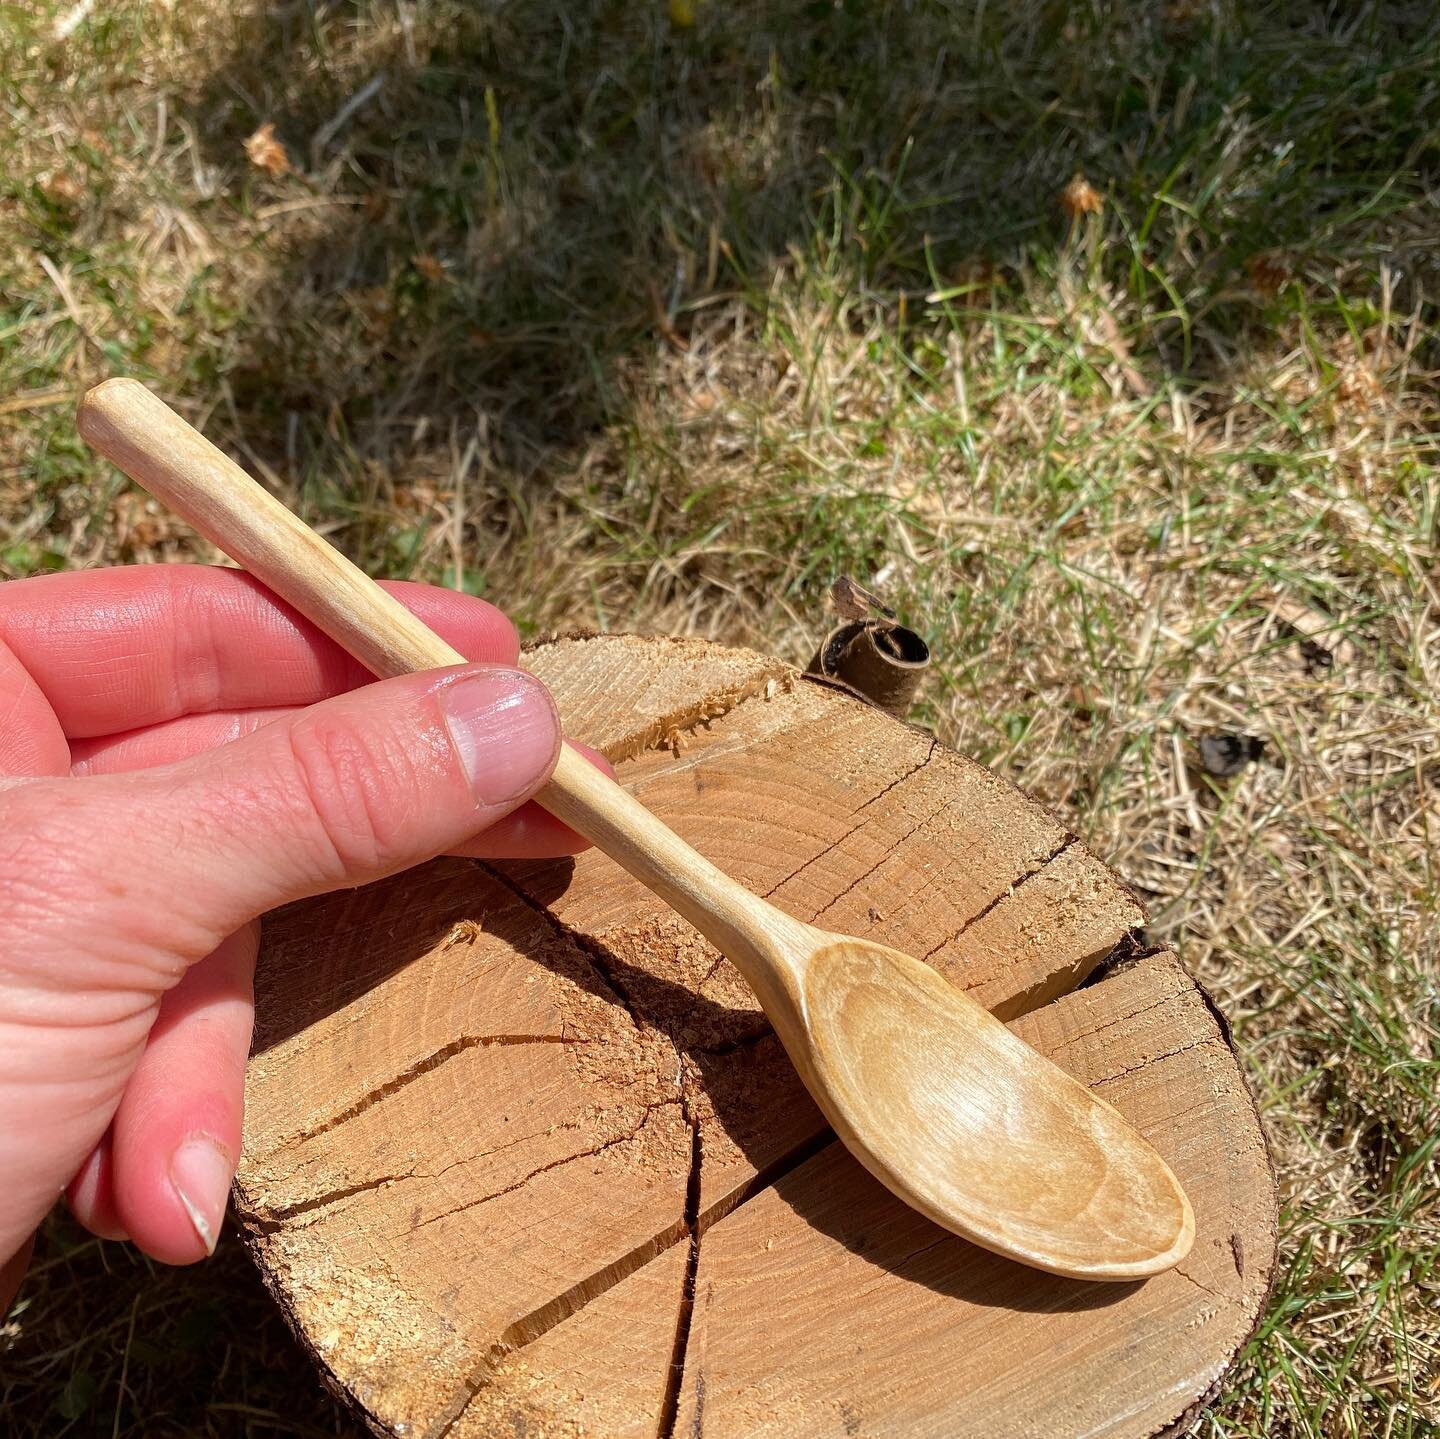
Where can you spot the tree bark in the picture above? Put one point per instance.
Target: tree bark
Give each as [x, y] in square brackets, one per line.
[523, 1157]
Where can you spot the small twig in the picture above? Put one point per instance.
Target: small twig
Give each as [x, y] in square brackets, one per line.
[67, 297]
[305, 202]
[125, 1369]
[332, 127]
[457, 511]
[37, 400]
[1187, 792]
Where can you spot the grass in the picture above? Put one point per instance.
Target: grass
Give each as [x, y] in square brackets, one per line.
[630, 322]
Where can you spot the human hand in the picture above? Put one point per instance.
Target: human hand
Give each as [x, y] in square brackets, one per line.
[179, 752]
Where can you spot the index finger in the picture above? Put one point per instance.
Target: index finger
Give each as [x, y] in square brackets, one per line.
[118, 649]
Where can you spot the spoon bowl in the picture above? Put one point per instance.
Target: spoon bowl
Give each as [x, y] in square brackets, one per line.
[949, 1109]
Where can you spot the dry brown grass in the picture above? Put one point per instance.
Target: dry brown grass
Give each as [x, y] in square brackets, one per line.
[640, 326]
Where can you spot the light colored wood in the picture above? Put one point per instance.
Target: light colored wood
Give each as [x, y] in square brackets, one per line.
[606, 1370]
[445, 1225]
[961, 1119]
[934, 1338]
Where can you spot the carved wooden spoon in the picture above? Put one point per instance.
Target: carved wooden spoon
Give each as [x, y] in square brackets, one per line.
[933, 1095]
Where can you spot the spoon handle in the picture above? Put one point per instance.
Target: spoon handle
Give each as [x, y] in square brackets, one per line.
[159, 450]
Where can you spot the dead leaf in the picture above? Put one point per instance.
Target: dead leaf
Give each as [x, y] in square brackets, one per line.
[1080, 197]
[855, 602]
[374, 305]
[62, 189]
[430, 268]
[266, 153]
[1268, 273]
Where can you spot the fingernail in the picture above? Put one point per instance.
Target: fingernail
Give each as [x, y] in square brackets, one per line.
[505, 730]
[200, 1172]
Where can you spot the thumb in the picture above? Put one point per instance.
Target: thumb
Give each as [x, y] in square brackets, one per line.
[335, 795]
[111, 886]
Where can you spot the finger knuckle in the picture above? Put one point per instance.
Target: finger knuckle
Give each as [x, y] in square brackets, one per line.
[355, 786]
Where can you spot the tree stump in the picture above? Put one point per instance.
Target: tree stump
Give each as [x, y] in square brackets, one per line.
[522, 1157]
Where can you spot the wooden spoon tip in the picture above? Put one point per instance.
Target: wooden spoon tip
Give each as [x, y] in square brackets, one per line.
[967, 1123]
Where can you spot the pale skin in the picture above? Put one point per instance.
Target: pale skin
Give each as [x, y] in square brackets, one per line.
[180, 752]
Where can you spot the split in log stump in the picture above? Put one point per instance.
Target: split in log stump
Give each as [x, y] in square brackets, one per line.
[522, 1156]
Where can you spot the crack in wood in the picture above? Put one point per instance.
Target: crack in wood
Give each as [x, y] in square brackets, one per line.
[699, 1222]
[1129, 1017]
[711, 972]
[1180, 1115]
[1082, 972]
[589, 949]
[1061, 980]
[471, 1387]
[734, 1046]
[1193, 1043]
[1004, 894]
[888, 853]
[540, 1321]
[855, 826]
[924, 1249]
[675, 1377]
[656, 734]
[1204, 1288]
[766, 1176]
[520, 1183]
[269, 1223]
[425, 1066]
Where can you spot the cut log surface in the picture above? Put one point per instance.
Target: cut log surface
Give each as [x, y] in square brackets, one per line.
[522, 1156]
